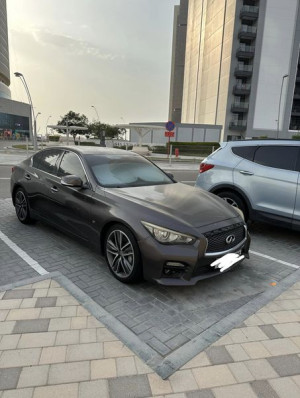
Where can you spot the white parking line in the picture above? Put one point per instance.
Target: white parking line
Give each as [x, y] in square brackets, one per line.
[274, 259]
[30, 261]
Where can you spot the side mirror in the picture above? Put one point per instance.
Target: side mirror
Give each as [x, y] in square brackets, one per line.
[171, 176]
[72, 181]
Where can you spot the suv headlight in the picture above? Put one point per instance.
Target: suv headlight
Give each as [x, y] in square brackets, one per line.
[167, 236]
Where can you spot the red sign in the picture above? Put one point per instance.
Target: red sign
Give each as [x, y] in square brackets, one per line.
[169, 134]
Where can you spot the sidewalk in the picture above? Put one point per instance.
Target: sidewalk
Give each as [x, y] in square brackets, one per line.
[51, 346]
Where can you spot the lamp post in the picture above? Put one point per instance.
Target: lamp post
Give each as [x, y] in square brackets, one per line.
[18, 74]
[47, 125]
[96, 112]
[279, 105]
[102, 132]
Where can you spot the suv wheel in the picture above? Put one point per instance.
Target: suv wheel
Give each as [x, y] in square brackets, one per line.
[234, 200]
[22, 207]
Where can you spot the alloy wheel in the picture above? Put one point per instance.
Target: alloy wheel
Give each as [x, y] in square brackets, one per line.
[21, 206]
[120, 253]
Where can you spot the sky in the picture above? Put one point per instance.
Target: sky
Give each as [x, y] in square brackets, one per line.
[112, 54]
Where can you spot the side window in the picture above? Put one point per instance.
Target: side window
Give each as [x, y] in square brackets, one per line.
[71, 165]
[46, 160]
[280, 157]
[245, 152]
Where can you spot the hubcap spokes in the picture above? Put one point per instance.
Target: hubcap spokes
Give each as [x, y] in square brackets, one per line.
[21, 205]
[120, 253]
[231, 202]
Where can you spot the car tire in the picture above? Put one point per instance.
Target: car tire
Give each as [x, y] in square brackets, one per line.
[22, 207]
[234, 200]
[122, 254]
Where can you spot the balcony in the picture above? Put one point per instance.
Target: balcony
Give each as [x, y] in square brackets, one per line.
[243, 70]
[241, 89]
[244, 51]
[247, 32]
[238, 125]
[249, 13]
[239, 107]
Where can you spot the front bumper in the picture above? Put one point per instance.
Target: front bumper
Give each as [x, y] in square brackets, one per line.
[196, 264]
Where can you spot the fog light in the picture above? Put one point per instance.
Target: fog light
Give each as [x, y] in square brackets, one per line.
[174, 264]
[173, 269]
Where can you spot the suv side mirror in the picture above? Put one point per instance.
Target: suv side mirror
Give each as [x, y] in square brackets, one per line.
[72, 181]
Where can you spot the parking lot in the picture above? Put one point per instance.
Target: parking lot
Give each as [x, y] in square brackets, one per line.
[161, 324]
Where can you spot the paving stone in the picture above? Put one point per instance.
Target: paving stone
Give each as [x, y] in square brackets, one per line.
[271, 331]
[33, 376]
[63, 373]
[141, 367]
[198, 361]
[9, 342]
[103, 369]
[57, 391]
[218, 355]
[68, 311]
[7, 327]
[88, 336]
[45, 302]
[281, 347]
[237, 352]
[240, 372]
[129, 387]
[288, 329]
[28, 303]
[79, 322]
[23, 313]
[15, 358]
[255, 350]
[82, 352]
[126, 366]
[116, 349]
[53, 355]
[286, 365]
[67, 337]
[286, 316]
[285, 387]
[213, 376]
[59, 324]
[263, 389]
[93, 389]
[200, 394]
[261, 369]
[158, 385]
[19, 393]
[238, 390]
[18, 294]
[9, 378]
[31, 326]
[50, 312]
[183, 380]
[30, 340]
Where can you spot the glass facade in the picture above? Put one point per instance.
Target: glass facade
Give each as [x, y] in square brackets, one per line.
[13, 126]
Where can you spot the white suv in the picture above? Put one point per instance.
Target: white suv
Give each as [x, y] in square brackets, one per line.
[261, 177]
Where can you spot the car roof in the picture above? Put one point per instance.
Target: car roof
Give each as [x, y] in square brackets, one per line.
[262, 142]
[92, 150]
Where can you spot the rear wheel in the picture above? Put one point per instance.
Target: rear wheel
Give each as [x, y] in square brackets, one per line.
[22, 207]
[122, 254]
[234, 200]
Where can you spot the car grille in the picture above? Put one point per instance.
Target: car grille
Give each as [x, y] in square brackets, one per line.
[217, 239]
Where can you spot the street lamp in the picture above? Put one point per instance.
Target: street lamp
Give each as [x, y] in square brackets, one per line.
[96, 112]
[102, 132]
[18, 74]
[47, 125]
[279, 105]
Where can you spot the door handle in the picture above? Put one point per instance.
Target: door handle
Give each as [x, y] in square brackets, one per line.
[27, 176]
[54, 189]
[247, 173]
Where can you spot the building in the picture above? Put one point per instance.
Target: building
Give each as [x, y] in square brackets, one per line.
[15, 117]
[178, 57]
[242, 67]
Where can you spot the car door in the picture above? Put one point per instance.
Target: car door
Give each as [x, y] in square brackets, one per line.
[270, 180]
[296, 218]
[71, 205]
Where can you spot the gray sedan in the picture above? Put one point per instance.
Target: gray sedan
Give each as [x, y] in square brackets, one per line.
[145, 223]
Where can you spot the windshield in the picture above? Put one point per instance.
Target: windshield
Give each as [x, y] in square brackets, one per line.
[120, 171]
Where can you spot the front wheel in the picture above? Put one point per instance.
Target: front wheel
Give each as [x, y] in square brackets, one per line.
[234, 200]
[22, 207]
[122, 254]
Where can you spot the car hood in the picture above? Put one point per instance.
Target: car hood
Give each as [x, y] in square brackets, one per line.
[190, 205]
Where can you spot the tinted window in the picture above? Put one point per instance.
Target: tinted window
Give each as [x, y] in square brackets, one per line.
[46, 160]
[245, 152]
[71, 165]
[125, 171]
[280, 157]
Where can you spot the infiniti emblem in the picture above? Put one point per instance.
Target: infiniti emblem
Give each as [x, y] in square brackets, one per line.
[230, 239]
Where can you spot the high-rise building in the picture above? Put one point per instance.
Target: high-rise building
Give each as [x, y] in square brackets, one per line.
[15, 117]
[242, 67]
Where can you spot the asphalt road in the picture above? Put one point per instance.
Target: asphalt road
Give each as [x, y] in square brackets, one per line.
[185, 176]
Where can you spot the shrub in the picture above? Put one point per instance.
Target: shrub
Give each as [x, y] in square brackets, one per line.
[296, 137]
[54, 138]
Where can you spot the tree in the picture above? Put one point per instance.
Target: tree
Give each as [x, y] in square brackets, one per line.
[74, 119]
[97, 128]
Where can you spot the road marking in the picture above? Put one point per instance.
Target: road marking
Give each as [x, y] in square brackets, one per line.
[274, 259]
[3, 178]
[30, 261]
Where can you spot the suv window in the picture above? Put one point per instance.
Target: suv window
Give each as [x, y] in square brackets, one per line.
[46, 160]
[71, 165]
[280, 157]
[245, 152]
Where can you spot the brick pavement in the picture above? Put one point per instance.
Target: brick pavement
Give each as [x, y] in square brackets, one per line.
[51, 346]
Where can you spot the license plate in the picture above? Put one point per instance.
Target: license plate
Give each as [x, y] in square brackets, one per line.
[227, 261]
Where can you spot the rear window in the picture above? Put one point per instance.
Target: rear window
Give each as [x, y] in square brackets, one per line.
[245, 152]
[279, 157]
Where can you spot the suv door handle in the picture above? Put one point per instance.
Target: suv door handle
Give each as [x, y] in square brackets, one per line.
[54, 189]
[27, 176]
[245, 172]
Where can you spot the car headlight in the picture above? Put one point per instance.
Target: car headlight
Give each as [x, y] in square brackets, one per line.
[167, 236]
[239, 211]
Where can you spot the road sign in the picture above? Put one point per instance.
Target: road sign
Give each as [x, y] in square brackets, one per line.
[169, 134]
[170, 126]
